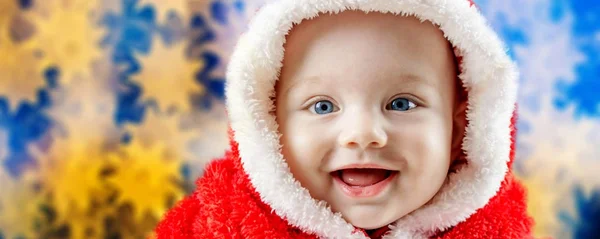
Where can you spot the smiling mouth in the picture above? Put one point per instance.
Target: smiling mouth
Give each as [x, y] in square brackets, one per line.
[363, 182]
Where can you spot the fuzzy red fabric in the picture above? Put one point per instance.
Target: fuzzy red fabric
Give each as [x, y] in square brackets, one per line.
[225, 205]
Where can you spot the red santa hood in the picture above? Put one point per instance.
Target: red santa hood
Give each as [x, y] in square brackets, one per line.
[487, 73]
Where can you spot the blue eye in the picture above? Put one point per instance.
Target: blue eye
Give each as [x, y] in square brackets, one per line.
[401, 104]
[323, 107]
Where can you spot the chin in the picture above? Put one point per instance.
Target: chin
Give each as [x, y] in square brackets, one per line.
[371, 217]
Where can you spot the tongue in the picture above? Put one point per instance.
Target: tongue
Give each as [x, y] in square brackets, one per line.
[363, 177]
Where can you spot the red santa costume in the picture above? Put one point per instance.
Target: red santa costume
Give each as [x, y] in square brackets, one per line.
[250, 193]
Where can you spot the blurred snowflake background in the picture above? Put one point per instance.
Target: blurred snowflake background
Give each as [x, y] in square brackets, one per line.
[110, 108]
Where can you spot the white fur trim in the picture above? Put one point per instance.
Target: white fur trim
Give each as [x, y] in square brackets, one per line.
[487, 73]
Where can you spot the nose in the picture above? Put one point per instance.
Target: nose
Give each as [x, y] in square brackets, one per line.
[363, 130]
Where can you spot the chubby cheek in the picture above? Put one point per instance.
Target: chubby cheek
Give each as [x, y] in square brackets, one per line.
[307, 143]
[426, 148]
[304, 147]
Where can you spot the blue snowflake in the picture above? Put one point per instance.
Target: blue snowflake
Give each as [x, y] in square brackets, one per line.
[583, 92]
[202, 34]
[26, 125]
[212, 80]
[130, 31]
[214, 85]
[586, 222]
[220, 10]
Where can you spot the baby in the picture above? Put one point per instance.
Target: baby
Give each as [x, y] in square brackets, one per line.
[363, 119]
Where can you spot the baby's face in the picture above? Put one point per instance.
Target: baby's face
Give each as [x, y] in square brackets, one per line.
[365, 105]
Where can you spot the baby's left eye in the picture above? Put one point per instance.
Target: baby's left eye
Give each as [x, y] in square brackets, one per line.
[401, 104]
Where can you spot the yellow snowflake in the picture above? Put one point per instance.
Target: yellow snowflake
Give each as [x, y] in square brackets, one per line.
[70, 170]
[19, 206]
[167, 76]
[69, 38]
[70, 174]
[18, 81]
[163, 7]
[166, 130]
[84, 223]
[146, 177]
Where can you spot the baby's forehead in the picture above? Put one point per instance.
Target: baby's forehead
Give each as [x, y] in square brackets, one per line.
[354, 31]
[330, 50]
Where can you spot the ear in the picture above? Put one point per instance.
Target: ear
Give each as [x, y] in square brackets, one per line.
[459, 123]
